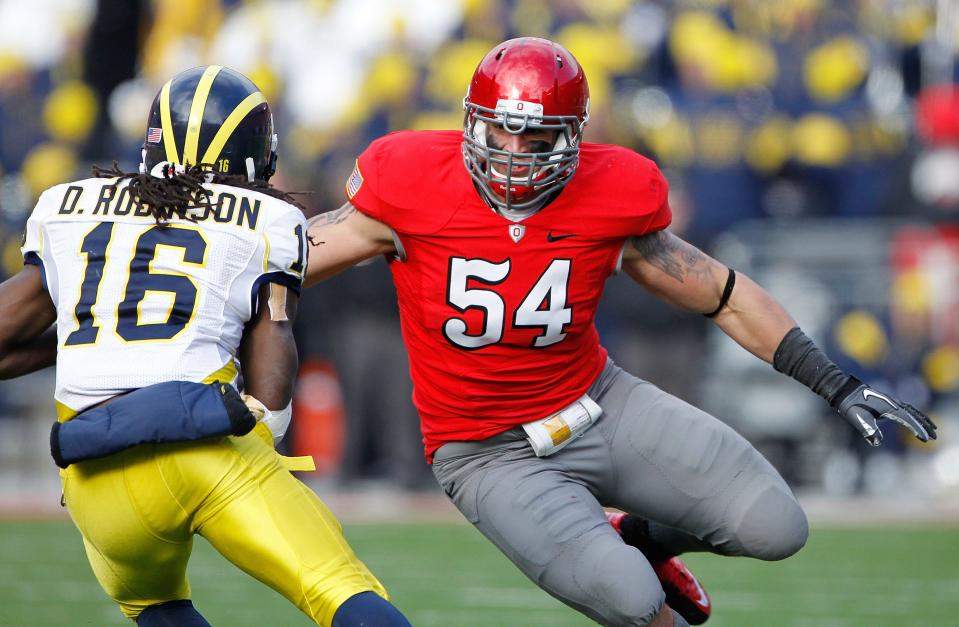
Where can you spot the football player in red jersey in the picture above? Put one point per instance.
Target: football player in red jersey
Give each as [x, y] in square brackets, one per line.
[530, 428]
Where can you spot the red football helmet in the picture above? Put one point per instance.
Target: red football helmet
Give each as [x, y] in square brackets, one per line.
[524, 84]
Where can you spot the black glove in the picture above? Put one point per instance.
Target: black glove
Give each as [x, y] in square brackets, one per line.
[242, 420]
[862, 406]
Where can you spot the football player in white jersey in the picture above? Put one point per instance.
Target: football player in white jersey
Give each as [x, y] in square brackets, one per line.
[185, 273]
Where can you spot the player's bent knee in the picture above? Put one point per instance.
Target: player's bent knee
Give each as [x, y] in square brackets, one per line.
[179, 613]
[622, 589]
[774, 526]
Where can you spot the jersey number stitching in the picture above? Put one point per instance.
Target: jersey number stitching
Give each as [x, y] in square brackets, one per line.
[142, 279]
[298, 265]
[543, 307]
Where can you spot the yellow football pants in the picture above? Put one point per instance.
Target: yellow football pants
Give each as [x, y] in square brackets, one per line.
[138, 510]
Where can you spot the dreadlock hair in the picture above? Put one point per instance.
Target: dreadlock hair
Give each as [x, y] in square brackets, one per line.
[177, 193]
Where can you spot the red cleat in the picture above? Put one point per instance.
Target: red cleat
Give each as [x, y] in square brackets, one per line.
[684, 594]
[683, 591]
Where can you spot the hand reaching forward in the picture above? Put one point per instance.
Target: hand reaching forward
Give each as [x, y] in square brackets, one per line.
[863, 406]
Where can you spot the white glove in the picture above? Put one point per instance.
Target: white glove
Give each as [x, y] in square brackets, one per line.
[276, 421]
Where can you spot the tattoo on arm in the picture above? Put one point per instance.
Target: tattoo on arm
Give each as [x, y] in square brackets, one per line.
[329, 218]
[334, 217]
[672, 255]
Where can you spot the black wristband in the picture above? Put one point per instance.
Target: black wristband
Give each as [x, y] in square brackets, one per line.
[727, 292]
[800, 358]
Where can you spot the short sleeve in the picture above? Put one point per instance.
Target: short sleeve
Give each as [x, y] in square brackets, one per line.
[662, 216]
[285, 257]
[361, 186]
[32, 245]
[387, 182]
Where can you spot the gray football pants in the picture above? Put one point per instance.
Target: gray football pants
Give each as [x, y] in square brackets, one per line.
[702, 484]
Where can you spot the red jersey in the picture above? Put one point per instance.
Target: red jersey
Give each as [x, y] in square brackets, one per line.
[497, 316]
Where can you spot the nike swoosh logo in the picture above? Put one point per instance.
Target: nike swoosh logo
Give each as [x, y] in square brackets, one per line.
[867, 393]
[555, 238]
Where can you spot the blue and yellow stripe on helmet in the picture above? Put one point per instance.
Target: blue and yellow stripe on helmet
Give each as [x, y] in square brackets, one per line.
[212, 115]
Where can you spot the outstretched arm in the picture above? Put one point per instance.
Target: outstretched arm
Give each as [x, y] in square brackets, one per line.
[27, 341]
[342, 238]
[683, 275]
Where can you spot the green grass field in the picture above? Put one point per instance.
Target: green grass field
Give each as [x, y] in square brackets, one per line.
[448, 575]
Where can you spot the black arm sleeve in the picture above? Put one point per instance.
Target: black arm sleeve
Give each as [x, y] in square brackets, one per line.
[800, 358]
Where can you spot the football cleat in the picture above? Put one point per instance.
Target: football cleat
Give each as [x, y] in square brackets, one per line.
[684, 593]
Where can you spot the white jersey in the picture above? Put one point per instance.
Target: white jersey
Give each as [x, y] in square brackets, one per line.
[138, 303]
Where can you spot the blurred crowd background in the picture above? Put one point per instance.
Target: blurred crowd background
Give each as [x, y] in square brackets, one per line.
[813, 145]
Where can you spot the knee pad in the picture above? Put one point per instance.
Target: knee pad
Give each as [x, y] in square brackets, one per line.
[773, 526]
